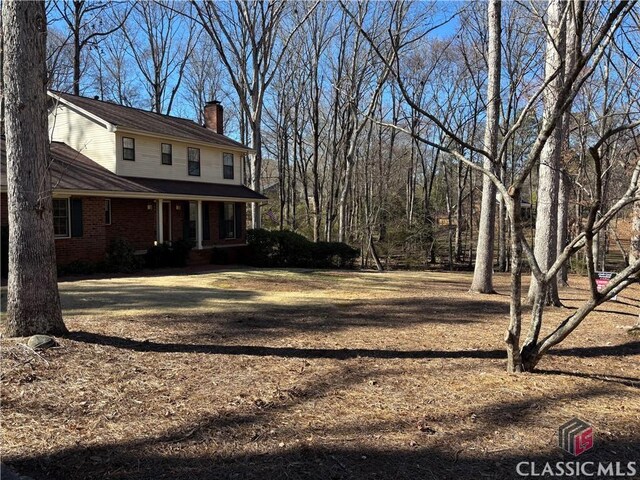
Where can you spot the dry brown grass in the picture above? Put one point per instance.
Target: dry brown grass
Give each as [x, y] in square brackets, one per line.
[299, 374]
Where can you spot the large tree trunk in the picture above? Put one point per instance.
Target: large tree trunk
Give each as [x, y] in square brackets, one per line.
[255, 166]
[564, 183]
[564, 190]
[512, 335]
[545, 247]
[33, 303]
[483, 272]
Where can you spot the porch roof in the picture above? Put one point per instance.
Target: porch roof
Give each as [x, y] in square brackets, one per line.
[72, 172]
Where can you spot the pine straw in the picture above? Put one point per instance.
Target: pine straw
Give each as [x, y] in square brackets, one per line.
[299, 374]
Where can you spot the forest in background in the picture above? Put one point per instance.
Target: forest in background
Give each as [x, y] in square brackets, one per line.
[341, 131]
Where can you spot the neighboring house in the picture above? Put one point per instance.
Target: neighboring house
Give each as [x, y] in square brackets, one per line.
[121, 172]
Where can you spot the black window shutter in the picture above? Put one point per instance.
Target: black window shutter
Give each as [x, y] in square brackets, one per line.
[206, 226]
[238, 210]
[222, 231]
[76, 217]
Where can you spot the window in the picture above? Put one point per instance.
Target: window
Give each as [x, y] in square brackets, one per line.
[61, 217]
[227, 159]
[107, 211]
[193, 220]
[128, 149]
[193, 155]
[230, 220]
[166, 154]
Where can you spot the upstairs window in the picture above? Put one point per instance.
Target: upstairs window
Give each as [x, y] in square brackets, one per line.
[128, 149]
[227, 160]
[61, 218]
[167, 154]
[193, 155]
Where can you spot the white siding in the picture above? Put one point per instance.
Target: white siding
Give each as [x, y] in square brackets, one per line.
[84, 135]
[148, 161]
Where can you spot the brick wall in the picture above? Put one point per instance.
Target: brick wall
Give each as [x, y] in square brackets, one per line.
[132, 220]
[91, 247]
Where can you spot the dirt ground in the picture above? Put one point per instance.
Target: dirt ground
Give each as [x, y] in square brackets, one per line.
[279, 374]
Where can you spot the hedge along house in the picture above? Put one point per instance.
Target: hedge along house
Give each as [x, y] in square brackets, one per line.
[121, 172]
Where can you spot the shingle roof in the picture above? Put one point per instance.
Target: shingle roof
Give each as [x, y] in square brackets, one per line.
[70, 170]
[150, 122]
[182, 187]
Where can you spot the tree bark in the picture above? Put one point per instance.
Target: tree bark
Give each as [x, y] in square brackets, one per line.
[33, 302]
[483, 272]
[564, 183]
[545, 247]
[564, 190]
[512, 335]
[634, 252]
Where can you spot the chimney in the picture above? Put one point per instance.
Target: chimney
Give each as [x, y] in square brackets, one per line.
[213, 116]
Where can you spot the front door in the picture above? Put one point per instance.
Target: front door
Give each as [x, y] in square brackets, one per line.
[166, 220]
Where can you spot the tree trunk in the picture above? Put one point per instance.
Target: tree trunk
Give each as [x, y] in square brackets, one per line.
[634, 251]
[255, 166]
[483, 272]
[342, 203]
[564, 185]
[33, 303]
[512, 336]
[546, 214]
[563, 223]
[77, 18]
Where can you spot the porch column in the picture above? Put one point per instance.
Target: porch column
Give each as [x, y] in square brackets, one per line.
[160, 218]
[199, 226]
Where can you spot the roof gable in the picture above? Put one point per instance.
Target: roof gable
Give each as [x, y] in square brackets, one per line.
[120, 116]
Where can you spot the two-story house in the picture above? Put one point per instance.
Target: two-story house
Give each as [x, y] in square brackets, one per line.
[121, 172]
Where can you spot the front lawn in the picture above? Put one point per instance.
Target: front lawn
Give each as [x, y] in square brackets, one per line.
[269, 374]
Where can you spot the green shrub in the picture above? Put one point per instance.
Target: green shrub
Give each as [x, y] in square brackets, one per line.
[262, 247]
[121, 257]
[175, 254]
[289, 249]
[334, 255]
[180, 253]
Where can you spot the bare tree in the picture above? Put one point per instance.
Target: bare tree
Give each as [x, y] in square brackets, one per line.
[33, 303]
[203, 79]
[546, 236]
[162, 53]
[251, 40]
[114, 80]
[88, 22]
[483, 271]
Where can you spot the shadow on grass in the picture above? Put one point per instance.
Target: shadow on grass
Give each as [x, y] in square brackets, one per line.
[622, 380]
[265, 351]
[129, 295]
[631, 348]
[259, 321]
[227, 446]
